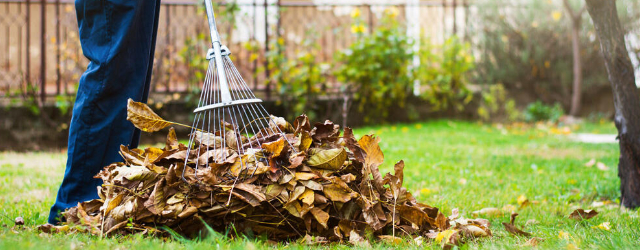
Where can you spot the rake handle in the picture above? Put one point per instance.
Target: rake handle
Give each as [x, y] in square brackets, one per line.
[225, 95]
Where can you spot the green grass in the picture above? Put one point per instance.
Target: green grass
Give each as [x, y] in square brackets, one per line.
[449, 164]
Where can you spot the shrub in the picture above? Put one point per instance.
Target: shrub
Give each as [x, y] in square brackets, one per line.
[444, 70]
[375, 67]
[538, 111]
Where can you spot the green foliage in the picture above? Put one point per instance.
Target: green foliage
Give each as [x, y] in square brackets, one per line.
[445, 69]
[375, 68]
[528, 49]
[538, 111]
[299, 80]
[494, 102]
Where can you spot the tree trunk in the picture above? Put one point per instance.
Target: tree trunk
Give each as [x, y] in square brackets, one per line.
[625, 96]
[577, 68]
[576, 23]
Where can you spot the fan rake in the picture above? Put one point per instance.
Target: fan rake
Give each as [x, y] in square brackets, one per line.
[230, 122]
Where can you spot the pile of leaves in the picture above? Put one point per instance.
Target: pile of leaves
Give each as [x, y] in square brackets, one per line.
[313, 181]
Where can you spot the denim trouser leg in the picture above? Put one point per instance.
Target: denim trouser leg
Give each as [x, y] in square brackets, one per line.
[118, 37]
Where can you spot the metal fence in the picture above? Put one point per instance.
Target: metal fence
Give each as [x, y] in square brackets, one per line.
[40, 54]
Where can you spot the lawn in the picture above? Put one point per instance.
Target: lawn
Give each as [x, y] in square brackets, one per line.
[449, 164]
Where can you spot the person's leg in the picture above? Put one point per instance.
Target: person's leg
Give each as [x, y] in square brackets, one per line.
[118, 37]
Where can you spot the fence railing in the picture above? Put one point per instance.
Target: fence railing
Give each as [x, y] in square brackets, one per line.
[40, 53]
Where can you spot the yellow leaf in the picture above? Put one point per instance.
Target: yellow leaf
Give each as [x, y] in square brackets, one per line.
[444, 235]
[145, 119]
[275, 148]
[522, 200]
[563, 235]
[307, 197]
[327, 158]
[604, 226]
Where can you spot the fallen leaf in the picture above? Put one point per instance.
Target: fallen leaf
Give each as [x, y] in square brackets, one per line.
[563, 235]
[604, 226]
[274, 148]
[487, 211]
[590, 163]
[357, 240]
[145, 119]
[581, 214]
[327, 158]
[533, 242]
[602, 166]
[19, 221]
[523, 201]
[512, 229]
[390, 239]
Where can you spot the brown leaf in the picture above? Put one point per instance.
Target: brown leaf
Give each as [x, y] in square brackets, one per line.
[533, 242]
[321, 216]
[512, 229]
[249, 193]
[307, 197]
[338, 191]
[357, 240]
[280, 123]
[373, 159]
[331, 159]
[326, 131]
[274, 148]
[581, 214]
[19, 221]
[301, 123]
[305, 141]
[172, 141]
[144, 118]
[352, 145]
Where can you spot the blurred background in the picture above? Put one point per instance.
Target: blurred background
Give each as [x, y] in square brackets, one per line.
[354, 62]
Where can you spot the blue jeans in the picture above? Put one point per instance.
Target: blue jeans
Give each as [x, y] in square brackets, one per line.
[118, 37]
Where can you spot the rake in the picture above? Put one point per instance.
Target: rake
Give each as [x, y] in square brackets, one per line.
[230, 121]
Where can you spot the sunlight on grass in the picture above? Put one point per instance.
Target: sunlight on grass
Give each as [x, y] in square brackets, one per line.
[449, 164]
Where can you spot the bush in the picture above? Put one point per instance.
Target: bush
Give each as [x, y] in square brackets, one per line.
[376, 67]
[444, 70]
[538, 111]
[494, 105]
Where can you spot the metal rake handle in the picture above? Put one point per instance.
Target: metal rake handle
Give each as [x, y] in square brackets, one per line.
[215, 41]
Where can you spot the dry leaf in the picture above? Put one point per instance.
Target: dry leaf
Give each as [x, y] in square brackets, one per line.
[602, 166]
[604, 226]
[145, 119]
[590, 163]
[331, 159]
[581, 214]
[512, 229]
[533, 242]
[488, 211]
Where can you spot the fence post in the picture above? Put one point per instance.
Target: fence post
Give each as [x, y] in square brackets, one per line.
[266, 51]
[43, 54]
[455, 27]
[27, 70]
[168, 46]
[370, 19]
[58, 80]
[254, 45]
